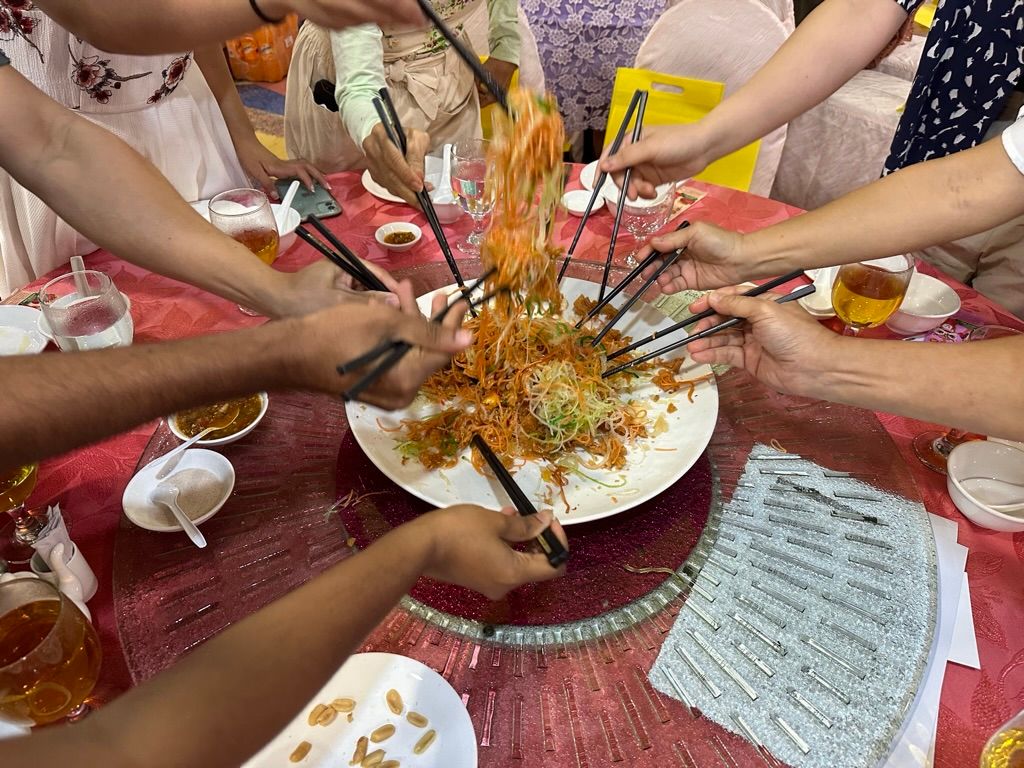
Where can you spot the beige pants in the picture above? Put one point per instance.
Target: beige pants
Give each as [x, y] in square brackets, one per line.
[312, 132]
[991, 262]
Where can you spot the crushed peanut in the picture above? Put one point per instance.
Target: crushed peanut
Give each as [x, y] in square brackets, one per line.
[415, 718]
[300, 752]
[314, 716]
[394, 699]
[326, 717]
[343, 705]
[374, 759]
[360, 753]
[425, 741]
[383, 733]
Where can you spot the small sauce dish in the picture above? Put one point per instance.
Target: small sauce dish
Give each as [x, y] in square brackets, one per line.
[247, 419]
[205, 480]
[398, 235]
[575, 202]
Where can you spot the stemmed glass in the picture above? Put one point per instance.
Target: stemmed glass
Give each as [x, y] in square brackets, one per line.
[865, 294]
[16, 485]
[933, 446]
[643, 218]
[49, 654]
[245, 215]
[469, 174]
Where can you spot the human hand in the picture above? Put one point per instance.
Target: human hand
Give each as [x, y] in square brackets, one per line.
[714, 258]
[780, 344]
[402, 176]
[263, 166]
[338, 14]
[472, 546]
[664, 154]
[501, 72]
[321, 285]
[314, 345]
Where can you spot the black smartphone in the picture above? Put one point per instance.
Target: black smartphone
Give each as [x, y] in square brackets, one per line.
[319, 201]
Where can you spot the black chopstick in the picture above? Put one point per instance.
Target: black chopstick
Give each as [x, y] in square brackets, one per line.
[667, 262]
[644, 264]
[393, 128]
[732, 322]
[641, 107]
[755, 291]
[367, 277]
[548, 541]
[386, 346]
[468, 57]
[600, 180]
[400, 348]
[340, 262]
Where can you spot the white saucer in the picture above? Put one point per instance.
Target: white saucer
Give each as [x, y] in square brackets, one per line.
[144, 513]
[20, 333]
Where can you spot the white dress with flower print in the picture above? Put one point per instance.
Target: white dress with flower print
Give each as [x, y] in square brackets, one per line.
[159, 105]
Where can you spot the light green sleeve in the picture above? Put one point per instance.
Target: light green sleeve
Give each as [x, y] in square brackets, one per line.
[503, 30]
[359, 75]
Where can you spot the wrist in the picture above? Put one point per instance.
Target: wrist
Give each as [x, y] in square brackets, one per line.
[831, 368]
[767, 254]
[417, 541]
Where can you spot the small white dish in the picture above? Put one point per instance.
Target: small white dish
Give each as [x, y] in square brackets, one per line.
[445, 204]
[208, 443]
[819, 303]
[967, 471]
[286, 234]
[610, 192]
[929, 303]
[398, 226]
[146, 514]
[366, 678]
[21, 331]
[575, 202]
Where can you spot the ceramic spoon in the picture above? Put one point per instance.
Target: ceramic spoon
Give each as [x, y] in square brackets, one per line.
[167, 494]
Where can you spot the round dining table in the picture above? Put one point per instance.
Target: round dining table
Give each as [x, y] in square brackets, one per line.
[534, 704]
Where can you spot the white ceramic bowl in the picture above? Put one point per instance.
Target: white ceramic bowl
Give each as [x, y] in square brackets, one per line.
[928, 303]
[575, 202]
[265, 403]
[610, 192]
[285, 234]
[20, 331]
[986, 459]
[398, 226]
[145, 514]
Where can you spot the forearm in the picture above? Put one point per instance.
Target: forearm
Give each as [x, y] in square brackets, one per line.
[976, 384]
[835, 42]
[359, 75]
[143, 28]
[218, 76]
[239, 689]
[55, 402]
[503, 30]
[928, 203]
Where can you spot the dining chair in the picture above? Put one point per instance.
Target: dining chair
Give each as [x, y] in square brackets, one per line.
[746, 33]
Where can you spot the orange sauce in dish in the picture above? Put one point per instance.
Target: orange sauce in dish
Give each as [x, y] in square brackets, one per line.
[193, 421]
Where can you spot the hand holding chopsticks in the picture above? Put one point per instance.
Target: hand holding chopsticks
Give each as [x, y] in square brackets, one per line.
[550, 544]
[712, 331]
[341, 256]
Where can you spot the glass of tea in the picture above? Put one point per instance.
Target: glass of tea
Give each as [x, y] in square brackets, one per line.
[16, 485]
[49, 654]
[865, 294]
[245, 215]
[933, 447]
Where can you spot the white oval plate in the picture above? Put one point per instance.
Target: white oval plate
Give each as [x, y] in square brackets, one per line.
[19, 331]
[432, 172]
[651, 467]
[367, 677]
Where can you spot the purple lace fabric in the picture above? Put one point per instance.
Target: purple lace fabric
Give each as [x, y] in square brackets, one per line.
[582, 43]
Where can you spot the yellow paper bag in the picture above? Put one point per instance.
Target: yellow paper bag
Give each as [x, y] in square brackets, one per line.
[676, 100]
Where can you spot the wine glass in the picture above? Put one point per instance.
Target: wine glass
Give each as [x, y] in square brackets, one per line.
[643, 218]
[245, 215]
[933, 446]
[469, 175]
[866, 293]
[49, 654]
[16, 485]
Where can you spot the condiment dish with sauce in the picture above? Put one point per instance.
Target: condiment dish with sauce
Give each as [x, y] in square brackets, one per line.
[245, 423]
[204, 480]
[396, 235]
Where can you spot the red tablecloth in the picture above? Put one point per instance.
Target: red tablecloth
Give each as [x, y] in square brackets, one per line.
[89, 482]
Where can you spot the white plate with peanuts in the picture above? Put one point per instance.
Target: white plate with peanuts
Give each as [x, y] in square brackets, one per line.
[379, 710]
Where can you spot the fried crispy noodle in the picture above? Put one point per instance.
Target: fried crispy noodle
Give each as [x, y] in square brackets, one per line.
[531, 384]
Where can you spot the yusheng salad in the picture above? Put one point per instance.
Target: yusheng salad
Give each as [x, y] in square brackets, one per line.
[531, 384]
